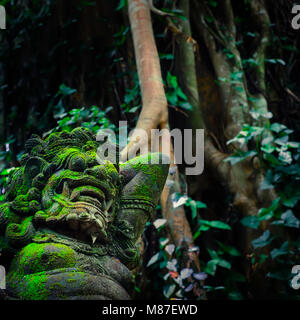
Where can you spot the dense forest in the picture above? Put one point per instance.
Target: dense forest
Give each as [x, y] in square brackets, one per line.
[229, 67]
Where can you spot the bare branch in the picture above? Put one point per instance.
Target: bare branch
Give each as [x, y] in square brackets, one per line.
[159, 12]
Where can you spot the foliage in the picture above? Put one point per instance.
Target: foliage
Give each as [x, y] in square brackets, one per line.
[92, 118]
[280, 157]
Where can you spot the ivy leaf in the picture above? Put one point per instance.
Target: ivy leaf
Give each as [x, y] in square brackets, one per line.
[172, 81]
[268, 213]
[65, 90]
[250, 222]
[283, 250]
[280, 275]
[122, 4]
[185, 105]
[181, 94]
[192, 204]
[290, 220]
[200, 276]
[166, 56]
[159, 223]
[172, 98]
[240, 156]
[200, 205]
[266, 184]
[211, 267]
[186, 273]
[263, 240]
[229, 249]
[170, 248]
[155, 259]
[169, 290]
[277, 127]
[215, 224]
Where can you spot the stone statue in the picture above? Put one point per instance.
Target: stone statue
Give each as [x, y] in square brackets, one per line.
[70, 223]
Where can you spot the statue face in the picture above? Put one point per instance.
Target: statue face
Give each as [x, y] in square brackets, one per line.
[63, 188]
[80, 197]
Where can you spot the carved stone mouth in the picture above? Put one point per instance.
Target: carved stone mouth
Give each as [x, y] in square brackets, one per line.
[88, 210]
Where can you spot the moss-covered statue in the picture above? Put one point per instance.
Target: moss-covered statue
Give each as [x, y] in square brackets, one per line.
[69, 226]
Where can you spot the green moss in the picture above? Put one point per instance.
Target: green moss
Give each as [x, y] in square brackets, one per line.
[20, 233]
[34, 287]
[154, 174]
[36, 258]
[7, 216]
[71, 280]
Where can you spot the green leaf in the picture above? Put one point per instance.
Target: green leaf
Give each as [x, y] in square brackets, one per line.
[172, 81]
[134, 109]
[185, 105]
[122, 4]
[172, 98]
[229, 249]
[65, 90]
[268, 213]
[250, 222]
[200, 205]
[155, 258]
[293, 145]
[225, 264]
[271, 159]
[166, 56]
[240, 156]
[280, 275]
[163, 242]
[266, 184]
[215, 224]
[290, 219]
[275, 61]
[251, 34]
[192, 204]
[211, 267]
[169, 290]
[263, 240]
[181, 94]
[283, 250]
[277, 127]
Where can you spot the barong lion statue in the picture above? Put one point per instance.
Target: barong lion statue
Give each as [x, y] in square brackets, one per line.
[70, 222]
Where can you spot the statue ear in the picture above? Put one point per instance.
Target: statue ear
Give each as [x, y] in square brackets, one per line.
[144, 177]
[33, 167]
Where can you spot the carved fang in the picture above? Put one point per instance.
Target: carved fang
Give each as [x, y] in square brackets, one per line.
[94, 238]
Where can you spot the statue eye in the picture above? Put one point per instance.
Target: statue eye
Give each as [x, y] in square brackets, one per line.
[77, 163]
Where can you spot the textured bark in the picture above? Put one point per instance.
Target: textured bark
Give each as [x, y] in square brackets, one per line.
[243, 179]
[154, 115]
